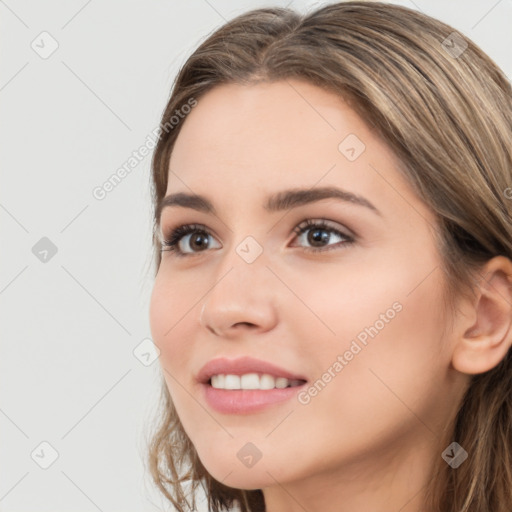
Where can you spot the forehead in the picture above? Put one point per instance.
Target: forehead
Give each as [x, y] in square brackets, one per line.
[283, 122]
[257, 139]
[249, 121]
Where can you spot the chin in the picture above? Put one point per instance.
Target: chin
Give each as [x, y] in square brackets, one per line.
[245, 479]
[234, 473]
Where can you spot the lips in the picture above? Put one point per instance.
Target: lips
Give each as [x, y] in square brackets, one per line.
[241, 366]
[246, 400]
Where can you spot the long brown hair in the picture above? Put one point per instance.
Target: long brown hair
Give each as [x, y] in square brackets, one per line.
[445, 109]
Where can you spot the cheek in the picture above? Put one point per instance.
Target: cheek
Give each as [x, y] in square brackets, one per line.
[169, 317]
[393, 359]
[334, 303]
[387, 327]
[168, 313]
[160, 320]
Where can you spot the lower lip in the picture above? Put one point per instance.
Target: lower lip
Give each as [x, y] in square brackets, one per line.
[240, 401]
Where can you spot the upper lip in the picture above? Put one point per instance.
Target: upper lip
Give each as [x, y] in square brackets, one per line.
[242, 365]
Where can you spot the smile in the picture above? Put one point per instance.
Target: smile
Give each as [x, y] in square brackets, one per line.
[252, 381]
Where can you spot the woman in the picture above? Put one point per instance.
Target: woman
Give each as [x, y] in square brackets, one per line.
[333, 297]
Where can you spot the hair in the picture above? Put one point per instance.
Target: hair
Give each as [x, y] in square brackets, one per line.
[445, 110]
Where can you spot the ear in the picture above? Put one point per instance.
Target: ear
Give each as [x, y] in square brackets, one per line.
[487, 330]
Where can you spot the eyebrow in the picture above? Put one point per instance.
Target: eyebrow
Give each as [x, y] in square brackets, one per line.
[284, 200]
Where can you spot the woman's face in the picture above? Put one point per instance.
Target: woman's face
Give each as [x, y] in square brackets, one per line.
[360, 321]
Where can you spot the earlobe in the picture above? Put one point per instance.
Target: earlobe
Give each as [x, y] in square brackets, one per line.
[487, 339]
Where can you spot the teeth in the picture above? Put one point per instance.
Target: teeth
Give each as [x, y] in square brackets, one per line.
[231, 382]
[267, 381]
[218, 381]
[251, 381]
[281, 382]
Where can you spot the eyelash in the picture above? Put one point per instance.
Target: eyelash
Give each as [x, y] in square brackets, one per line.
[171, 243]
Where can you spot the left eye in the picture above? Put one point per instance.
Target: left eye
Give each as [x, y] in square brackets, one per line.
[319, 232]
[197, 234]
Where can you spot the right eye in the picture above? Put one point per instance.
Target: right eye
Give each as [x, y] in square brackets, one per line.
[193, 235]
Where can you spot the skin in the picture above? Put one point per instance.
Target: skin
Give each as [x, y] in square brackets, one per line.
[367, 440]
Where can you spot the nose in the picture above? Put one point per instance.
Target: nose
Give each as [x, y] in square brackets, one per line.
[242, 299]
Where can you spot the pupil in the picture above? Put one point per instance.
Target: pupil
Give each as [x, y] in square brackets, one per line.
[316, 236]
[197, 240]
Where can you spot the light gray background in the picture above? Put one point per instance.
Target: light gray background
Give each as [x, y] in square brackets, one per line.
[70, 325]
